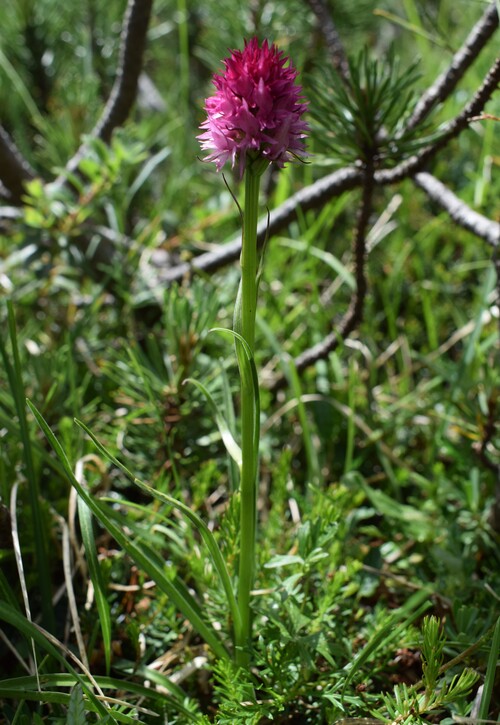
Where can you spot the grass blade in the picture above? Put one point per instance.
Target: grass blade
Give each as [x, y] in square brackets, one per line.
[204, 531]
[85, 519]
[141, 554]
[230, 418]
[290, 372]
[42, 568]
[227, 437]
[19, 563]
[89, 543]
[26, 688]
[491, 669]
[145, 173]
[32, 631]
[393, 627]
[249, 378]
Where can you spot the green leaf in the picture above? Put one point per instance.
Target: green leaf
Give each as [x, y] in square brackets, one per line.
[205, 533]
[326, 257]
[249, 379]
[146, 172]
[32, 631]
[394, 626]
[140, 553]
[14, 374]
[7, 593]
[76, 708]
[283, 560]
[27, 688]
[491, 668]
[230, 418]
[227, 437]
[85, 518]
[419, 525]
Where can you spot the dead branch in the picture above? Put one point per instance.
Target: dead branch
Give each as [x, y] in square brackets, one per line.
[312, 197]
[332, 38]
[123, 94]
[458, 210]
[454, 128]
[15, 171]
[354, 314]
[409, 167]
[318, 194]
[336, 183]
[462, 60]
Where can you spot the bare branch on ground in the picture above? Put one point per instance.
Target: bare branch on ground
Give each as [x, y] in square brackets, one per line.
[462, 60]
[332, 38]
[124, 92]
[458, 210]
[354, 314]
[312, 197]
[453, 129]
[15, 171]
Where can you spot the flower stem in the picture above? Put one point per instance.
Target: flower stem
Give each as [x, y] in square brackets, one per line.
[245, 321]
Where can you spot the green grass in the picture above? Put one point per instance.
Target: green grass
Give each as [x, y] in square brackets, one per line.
[377, 575]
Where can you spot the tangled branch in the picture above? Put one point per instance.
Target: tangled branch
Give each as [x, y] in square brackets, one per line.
[458, 211]
[354, 314]
[124, 91]
[15, 171]
[442, 88]
[332, 38]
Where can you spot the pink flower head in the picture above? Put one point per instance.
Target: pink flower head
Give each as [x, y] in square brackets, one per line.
[256, 109]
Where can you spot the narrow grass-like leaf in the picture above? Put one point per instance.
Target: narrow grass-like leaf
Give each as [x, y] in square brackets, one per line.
[249, 378]
[31, 631]
[227, 437]
[19, 687]
[85, 519]
[399, 620]
[290, 372]
[42, 569]
[22, 91]
[470, 350]
[201, 526]
[63, 698]
[313, 465]
[326, 257]
[8, 420]
[141, 554]
[491, 669]
[351, 426]
[19, 562]
[146, 172]
[6, 592]
[418, 524]
[70, 593]
[230, 418]
[150, 553]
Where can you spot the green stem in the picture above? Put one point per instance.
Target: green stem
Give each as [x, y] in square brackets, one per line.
[249, 407]
[249, 257]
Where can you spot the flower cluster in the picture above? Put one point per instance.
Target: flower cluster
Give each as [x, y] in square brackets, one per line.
[256, 110]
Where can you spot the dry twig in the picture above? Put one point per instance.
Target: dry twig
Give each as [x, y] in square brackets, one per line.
[332, 38]
[123, 94]
[15, 171]
[462, 60]
[459, 211]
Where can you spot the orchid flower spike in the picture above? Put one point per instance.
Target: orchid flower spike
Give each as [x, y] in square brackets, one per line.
[256, 111]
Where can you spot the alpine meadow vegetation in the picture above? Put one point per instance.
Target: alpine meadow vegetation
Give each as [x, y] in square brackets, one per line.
[250, 362]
